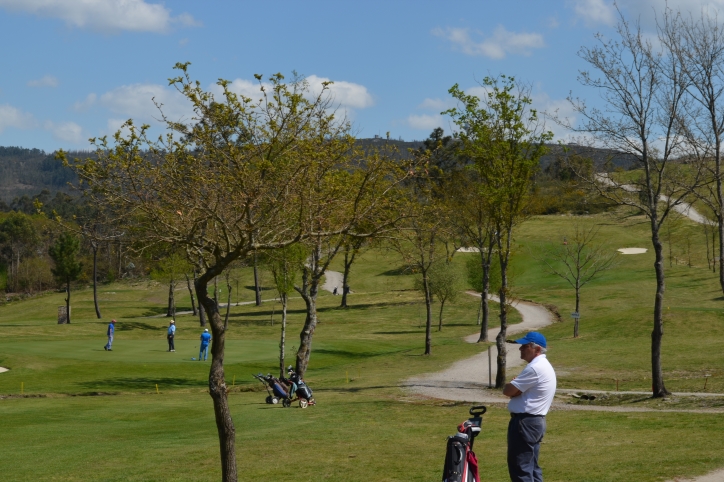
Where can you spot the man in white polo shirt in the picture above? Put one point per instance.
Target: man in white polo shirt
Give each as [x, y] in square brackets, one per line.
[531, 394]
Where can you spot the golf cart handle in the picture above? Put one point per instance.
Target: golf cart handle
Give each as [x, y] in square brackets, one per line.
[478, 410]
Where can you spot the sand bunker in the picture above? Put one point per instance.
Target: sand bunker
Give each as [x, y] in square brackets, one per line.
[468, 250]
[632, 250]
[3, 369]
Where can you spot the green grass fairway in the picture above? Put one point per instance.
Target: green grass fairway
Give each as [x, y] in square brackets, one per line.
[86, 414]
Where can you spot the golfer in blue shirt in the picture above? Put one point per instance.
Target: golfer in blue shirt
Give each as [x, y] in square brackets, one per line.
[205, 339]
[170, 334]
[109, 332]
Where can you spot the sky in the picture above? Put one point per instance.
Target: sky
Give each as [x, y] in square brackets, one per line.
[75, 69]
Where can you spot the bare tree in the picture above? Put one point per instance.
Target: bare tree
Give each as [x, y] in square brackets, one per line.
[699, 47]
[645, 95]
[579, 261]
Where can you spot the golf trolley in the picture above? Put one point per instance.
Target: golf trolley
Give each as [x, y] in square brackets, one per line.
[276, 389]
[298, 388]
[461, 464]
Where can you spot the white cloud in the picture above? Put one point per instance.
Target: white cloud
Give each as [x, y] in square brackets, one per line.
[346, 94]
[104, 15]
[342, 93]
[437, 105]
[85, 104]
[497, 46]
[594, 12]
[13, 117]
[555, 108]
[46, 81]
[136, 101]
[66, 131]
[425, 122]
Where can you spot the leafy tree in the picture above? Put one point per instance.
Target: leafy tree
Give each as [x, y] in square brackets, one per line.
[169, 268]
[418, 238]
[64, 253]
[505, 139]
[241, 175]
[285, 265]
[351, 247]
[18, 237]
[445, 284]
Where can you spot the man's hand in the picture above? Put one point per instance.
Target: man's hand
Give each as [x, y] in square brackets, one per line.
[511, 390]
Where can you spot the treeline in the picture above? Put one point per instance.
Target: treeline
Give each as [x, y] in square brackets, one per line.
[24, 171]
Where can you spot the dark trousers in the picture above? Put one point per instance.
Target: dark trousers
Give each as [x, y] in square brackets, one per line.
[525, 433]
[170, 342]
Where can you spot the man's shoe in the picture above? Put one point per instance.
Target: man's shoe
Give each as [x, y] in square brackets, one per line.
[105, 348]
[110, 349]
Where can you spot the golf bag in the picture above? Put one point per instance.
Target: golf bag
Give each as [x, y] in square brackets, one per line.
[461, 464]
[299, 388]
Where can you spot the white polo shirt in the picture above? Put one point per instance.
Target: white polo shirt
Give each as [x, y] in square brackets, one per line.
[537, 381]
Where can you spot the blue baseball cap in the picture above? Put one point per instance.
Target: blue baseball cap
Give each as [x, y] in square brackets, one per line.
[531, 337]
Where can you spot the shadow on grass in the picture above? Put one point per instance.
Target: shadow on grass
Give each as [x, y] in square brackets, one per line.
[262, 288]
[137, 325]
[244, 317]
[402, 270]
[144, 383]
[155, 311]
[407, 332]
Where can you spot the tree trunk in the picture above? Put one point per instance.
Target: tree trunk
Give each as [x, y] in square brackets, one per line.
[217, 383]
[170, 310]
[305, 337]
[345, 278]
[95, 280]
[657, 373]
[282, 341]
[500, 339]
[484, 298]
[191, 294]
[67, 300]
[575, 320]
[439, 325]
[228, 304]
[720, 200]
[428, 311]
[257, 288]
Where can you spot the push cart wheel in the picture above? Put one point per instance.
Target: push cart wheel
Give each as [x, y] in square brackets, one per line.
[269, 399]
[274, 400]
[286, 403]
[303, 403]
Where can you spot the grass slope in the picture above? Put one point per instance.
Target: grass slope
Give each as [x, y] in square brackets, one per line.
[364, 426]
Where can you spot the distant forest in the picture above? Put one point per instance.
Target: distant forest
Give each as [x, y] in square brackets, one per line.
[29, 171]
[24, 173]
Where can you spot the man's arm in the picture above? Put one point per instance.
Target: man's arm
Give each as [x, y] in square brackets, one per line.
[511, 390]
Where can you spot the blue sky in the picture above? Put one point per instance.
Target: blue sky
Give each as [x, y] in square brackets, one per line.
[74, 69]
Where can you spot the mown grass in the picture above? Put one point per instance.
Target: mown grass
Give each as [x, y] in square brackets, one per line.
[364, 427]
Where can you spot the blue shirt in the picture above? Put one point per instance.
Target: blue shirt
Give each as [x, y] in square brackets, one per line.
[172, 330]
[111, 328]
[205, 338]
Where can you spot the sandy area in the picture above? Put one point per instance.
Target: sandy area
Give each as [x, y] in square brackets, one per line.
[3, 369]
[632, 250]
[332, 280]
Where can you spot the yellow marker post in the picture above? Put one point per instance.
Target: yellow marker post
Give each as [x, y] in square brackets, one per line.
[347, 373]
[157, 389]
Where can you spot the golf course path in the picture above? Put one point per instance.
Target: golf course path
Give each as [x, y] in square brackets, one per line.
[464, 380]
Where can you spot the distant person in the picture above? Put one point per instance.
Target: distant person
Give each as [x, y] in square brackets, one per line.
[205, 339]
[531, 394]
[170, 334]
[335, 291]
[109, 332]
